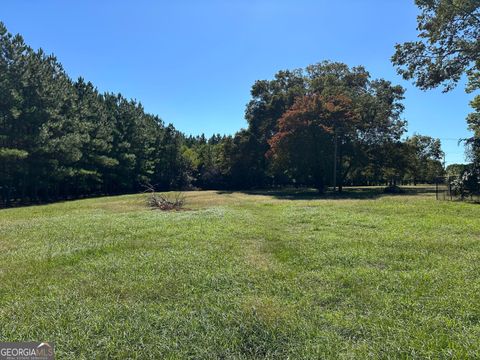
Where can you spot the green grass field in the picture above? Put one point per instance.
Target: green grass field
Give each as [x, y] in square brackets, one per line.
[243, 276]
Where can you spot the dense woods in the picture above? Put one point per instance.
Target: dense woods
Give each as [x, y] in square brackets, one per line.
[321, 126]
[61, 138]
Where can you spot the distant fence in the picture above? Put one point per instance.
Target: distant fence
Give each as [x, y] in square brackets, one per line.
[445, 189]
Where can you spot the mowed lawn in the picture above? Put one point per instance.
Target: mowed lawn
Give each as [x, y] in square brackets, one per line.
[244, 276]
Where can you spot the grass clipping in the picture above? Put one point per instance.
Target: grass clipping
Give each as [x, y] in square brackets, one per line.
[157, 201]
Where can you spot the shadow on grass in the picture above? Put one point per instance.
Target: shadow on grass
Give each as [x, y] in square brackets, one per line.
[359, 193]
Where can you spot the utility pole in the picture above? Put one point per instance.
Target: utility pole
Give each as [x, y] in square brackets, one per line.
[335, 164]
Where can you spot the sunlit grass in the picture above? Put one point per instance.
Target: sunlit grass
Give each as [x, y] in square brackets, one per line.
[237, 275]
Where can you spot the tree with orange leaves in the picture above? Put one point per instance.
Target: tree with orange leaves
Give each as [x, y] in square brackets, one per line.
[304, 146]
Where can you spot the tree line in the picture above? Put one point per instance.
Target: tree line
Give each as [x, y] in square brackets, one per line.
[318, 126]
[61, 138]
[325, 125]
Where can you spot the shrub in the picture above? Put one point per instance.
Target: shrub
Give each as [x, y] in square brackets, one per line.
[457, 187]
[467, 184]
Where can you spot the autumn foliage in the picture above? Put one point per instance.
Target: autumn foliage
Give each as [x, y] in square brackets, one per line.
[304, 142]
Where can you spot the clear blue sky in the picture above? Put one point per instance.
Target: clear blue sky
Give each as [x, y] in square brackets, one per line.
[193, 62]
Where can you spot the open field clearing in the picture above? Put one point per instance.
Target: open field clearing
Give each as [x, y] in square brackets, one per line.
[245, 275]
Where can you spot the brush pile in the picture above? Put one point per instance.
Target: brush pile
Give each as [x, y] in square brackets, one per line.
[164, 202]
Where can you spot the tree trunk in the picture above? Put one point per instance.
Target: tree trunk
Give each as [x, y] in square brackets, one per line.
[340, 178]
[335, 164]
[320, 186]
